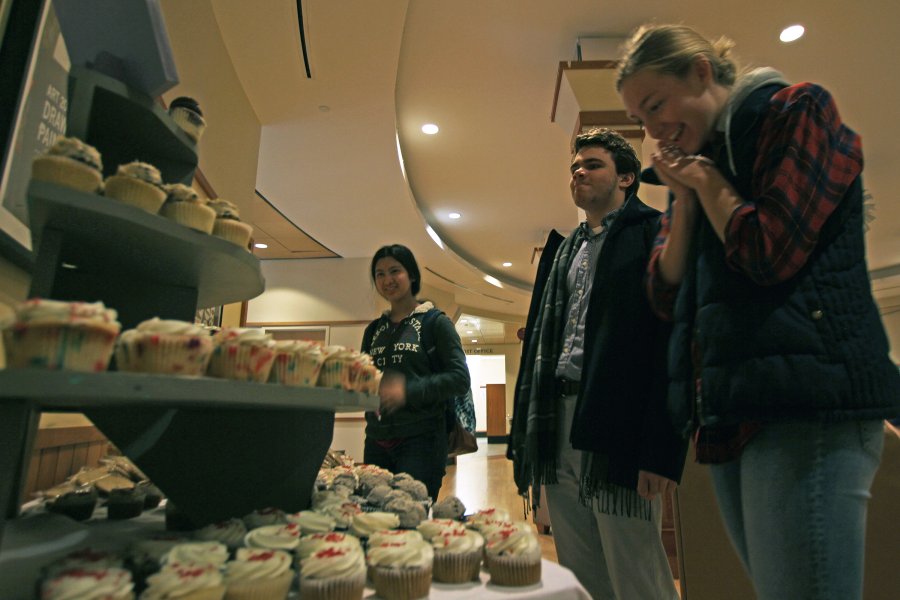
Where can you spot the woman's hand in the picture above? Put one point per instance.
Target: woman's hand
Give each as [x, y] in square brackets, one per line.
[392, 392]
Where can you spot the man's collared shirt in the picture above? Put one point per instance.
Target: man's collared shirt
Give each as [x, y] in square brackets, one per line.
[579, 283]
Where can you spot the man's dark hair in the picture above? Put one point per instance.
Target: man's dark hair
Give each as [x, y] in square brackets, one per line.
[404, 256]
[624, 156]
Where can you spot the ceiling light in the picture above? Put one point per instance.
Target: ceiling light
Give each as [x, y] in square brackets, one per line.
[474, 341]
[430, 128]
[434, 236]
[507, 264]
[66, 265]
[792, 33]
[469, 332]
[493, 281]
[454, 215]
[260, 245]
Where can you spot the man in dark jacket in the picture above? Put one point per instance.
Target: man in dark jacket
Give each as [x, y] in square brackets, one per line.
[590, 420]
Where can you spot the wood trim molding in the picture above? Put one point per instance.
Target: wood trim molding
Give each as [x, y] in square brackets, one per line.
[51, 437]
[349, 419]
[303, 323]
[567, 65]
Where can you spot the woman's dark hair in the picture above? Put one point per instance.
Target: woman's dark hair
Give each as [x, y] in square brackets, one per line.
[404, 256]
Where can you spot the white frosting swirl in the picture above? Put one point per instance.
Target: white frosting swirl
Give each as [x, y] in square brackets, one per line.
[264, 516]
[458, 541]
[487, 514]
[365, 524]
[310, 544]
[171, 327]
[274, 537]
[311, 521]
[89, 584]
[400, 554]
[326, 498]
[434, 527]
[253, 563]
[342, 513]
[38, 310]
[176, 580]
[514, 542]
[140, 170]
[230, 532]
[244, 335]
[199, 553]
[394, 535]
[333, 562]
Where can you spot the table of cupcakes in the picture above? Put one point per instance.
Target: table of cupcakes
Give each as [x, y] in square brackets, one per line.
[369, 533]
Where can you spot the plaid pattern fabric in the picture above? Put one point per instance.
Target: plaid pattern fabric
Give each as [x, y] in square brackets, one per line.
[534, 438]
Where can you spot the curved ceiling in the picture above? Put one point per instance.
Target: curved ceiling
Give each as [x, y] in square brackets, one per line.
[485, 72]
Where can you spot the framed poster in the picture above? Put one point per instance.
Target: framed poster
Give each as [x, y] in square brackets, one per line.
[39, 62]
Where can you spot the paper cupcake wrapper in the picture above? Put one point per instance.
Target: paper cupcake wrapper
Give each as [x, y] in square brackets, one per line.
[59, 346]
[213, 593]
[513, 571]
[190, 214]
[334, 374]
[189, 121]
[295, 369]
[456, 568]
[243, 362]
[67, 172]
[402, 583]
[261, 589]
[233, 231]
[336, 588]
[135, 192]
[162, 353]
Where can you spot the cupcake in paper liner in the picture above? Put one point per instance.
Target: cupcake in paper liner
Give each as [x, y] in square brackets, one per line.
[264, 516]
[513, 557]
[274, 537]
[56, 335]
[165, 346]
[257, 574]
[365, 524]
[185, 581]
[314, 542]
[214, 554]
[333, 573]
[137, 184]
[228, 225]
[230, 532]
[71, 163]
[335, 370]
[297, 363]
[89, 584]
[311, 521]
[457, 555]
[186, 113]
[184, 206]
[401, 570]
[244, 354]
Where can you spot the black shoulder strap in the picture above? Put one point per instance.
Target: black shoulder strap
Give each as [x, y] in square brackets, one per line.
[427, 338]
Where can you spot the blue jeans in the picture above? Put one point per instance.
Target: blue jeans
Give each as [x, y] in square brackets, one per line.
[794, 505]
[422, 456]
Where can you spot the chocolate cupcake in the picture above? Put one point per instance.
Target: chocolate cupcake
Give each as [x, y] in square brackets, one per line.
[125, 503]
[77, 504]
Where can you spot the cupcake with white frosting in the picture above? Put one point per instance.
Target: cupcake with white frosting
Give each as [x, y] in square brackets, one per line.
[89, 584]
[230, 532]
[137, 184]
[312, 543]
[394, 535]
[165, 346]
[185, 581]
[51, 334]
[241, 353]
[433, 527]
[228, 225]
[457, 555]
[274, 537]
[336, 368]
[185, 206]
[199, 553]
[71, 163]
[401, 570]
[257, 574]
[264, 516]
[311, 521]
[297, 363]
[367, 523]
[513, 556]
[333, 573]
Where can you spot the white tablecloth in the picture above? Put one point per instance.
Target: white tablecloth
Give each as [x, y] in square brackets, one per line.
[38, 539]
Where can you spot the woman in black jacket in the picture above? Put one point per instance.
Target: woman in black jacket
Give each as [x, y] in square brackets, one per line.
[408, 433]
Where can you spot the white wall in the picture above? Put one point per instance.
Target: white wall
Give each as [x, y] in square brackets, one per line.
[484, 370]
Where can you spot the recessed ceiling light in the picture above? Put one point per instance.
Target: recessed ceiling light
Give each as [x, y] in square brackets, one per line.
[507, 264]
[493, 281]
[792, 33]
[66, 265]
[430, 128]
[454, 215]
[260, 245]
[474, 341]
[469, 332]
